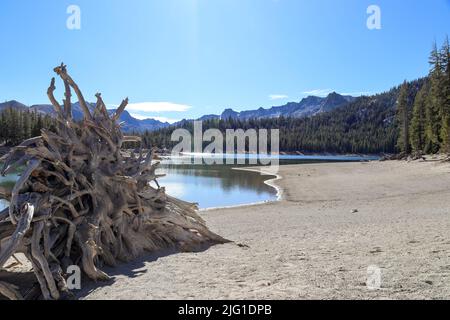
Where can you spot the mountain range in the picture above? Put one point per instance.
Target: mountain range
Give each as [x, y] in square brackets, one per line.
[307, 107]
[129, 123]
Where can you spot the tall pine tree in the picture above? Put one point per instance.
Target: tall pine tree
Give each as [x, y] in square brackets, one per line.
[403, 120]
[418, 121]
[445, 97]
[434, 103]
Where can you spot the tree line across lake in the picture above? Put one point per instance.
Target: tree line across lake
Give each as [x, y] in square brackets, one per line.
[369, 125]
[17, 125]
[411, 118]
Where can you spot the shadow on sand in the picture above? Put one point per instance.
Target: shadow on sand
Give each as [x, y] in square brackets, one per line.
[29, 286]
[132, 269]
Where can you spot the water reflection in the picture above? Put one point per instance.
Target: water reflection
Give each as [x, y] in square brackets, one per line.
[7, 182]
[217, 175]
[216, 185]
[209, 186]
[3, 204]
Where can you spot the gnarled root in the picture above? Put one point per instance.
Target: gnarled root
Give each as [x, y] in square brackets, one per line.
[10, 291]
[81, 200]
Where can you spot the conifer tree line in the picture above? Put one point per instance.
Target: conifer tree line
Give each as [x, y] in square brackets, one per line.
[366, 126]
[424, 123]
[413, 118]
[17, 125]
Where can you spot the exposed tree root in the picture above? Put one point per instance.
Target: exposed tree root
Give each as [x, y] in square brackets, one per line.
[82, 201]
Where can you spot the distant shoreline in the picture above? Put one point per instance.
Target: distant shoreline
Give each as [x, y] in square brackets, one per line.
[299, 153]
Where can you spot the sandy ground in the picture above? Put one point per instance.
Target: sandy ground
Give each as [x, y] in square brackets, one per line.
[313, 244]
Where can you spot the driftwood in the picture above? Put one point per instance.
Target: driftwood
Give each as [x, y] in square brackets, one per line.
[82, 201]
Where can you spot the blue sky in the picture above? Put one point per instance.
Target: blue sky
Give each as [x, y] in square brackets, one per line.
[184, 58]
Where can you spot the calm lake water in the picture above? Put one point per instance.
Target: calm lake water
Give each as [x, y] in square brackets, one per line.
[7, 182]
[219, 185]
[215, 185]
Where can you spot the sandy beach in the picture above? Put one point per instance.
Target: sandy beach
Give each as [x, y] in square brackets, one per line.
[333, 222]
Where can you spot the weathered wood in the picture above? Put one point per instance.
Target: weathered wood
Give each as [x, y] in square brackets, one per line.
[85, 201]
[5, 193]
[9, 291]
[19, 184]
[62, 72]
[52, 99]
[4, 214]
[120, 109]
[23, 226]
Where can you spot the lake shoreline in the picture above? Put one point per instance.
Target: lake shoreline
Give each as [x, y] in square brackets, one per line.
[334, 221]
[269, 181]
[297, 153]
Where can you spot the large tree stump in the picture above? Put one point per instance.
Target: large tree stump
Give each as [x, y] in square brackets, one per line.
[82, 200]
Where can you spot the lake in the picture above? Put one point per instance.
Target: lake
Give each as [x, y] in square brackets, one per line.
[214, 186]
[8, 182]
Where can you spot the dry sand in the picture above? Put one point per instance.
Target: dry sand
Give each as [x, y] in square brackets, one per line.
[312, 244]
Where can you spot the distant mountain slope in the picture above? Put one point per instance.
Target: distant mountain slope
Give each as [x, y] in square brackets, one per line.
[307, 107]
[335, 124]
[363, 125]
[12, 104]
[129, 123]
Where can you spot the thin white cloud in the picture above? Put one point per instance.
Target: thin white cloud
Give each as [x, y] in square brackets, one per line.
[318, 92]
[157, 107]
[278, 96]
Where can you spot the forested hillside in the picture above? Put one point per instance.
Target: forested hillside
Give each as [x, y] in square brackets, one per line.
[411, 118]
[17, 125]
[366, 125]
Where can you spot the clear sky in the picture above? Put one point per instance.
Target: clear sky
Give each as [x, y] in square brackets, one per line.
[185, 58]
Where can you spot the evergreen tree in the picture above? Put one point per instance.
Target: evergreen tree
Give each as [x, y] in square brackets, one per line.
[418, 121]
[16, 126]
[366, 125]
[434, 103]
[445, 98]
[403, 119]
